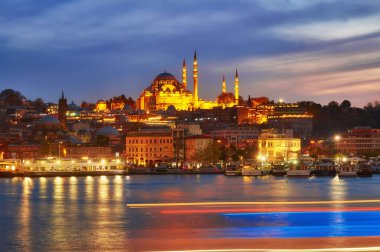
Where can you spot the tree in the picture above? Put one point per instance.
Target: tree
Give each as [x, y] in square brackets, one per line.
[40, 105]
[346, 104]
[11, 97]
[208, 154]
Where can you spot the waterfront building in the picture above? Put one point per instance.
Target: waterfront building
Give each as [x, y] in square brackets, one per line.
[359, 140]
[277, 147]
[88, 152]
[22, 151]
[166, 91]
[148, 147]
[71, 165]
[237, 135]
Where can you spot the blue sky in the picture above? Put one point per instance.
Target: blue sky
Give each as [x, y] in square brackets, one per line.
[319, 50]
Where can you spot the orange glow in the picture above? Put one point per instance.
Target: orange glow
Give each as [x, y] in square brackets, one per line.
[229, 203]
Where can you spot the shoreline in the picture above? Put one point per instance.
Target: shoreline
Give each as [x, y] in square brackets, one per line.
[96, 173]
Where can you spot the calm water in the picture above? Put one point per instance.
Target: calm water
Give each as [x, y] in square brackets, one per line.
[92, 213]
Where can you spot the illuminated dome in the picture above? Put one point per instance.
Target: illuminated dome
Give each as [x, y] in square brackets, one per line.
[165, 76]
[165, 82]
[108, 131]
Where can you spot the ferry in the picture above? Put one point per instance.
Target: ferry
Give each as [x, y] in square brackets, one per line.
[10, 167]
[347, 170]
[279, 169]
[232, 170]
[374, 162]
[300, 168]
[252, 171]
[364, 170]
[325, 167]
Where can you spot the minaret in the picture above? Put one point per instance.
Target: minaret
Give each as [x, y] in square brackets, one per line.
[184, 79]
[236, 87]
[224, 88]
[195, 76]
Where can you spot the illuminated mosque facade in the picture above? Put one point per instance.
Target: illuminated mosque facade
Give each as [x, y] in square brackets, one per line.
[166, 91]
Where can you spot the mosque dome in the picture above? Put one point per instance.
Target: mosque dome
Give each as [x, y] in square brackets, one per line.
[165, 82]
[73, 107]
[165, 76]
[108, 131]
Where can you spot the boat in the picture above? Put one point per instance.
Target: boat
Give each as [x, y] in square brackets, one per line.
[252, 171]
[325, 167]
[232, 170]
[374, 162]
[364, 170]
[279, 169]
[301, 168]
[10, 167]
[347, 170]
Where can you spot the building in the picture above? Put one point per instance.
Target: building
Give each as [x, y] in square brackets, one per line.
[277, 115]
[275, 147]
[22, 151]
[88, 152]
[359, 140]
[149, 147]
[237, 135]
[166, 91]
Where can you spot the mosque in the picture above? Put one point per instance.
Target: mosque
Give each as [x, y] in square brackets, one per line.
[166, 91]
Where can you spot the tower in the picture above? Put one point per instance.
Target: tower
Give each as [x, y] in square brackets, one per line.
[195, 76]
[62, 109]
[236, 87]
[224, 85]
[184, 79]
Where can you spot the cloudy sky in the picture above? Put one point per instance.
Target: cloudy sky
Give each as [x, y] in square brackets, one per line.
[319, 50]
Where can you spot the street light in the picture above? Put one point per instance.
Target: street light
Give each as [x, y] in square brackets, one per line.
[59, 149]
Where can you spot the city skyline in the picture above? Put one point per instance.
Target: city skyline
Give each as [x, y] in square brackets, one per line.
[295, 50]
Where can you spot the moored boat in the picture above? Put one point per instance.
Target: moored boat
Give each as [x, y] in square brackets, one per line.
[347, 170]
[278, 169]
[251, 171]
[325, 167]
[232, 170]
[364, 170]
[300, 168]
[374, 163]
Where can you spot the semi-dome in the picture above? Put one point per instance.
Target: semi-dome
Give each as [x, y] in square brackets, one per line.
[108, 131]
[48, 120]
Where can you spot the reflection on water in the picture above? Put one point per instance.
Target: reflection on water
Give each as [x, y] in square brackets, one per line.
[91, 213]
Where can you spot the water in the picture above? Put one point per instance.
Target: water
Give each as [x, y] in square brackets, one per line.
[93, 213]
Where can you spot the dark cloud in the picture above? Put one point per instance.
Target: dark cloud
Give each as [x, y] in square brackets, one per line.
[97, 48]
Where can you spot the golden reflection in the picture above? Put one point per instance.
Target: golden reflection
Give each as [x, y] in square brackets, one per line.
[338, 191]
[73, 191]
[43, 187]
[247, 179]
[103, 188]
[58, 193]
[58, 215]
[118, 188]
[24, 231]
[89, 189]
